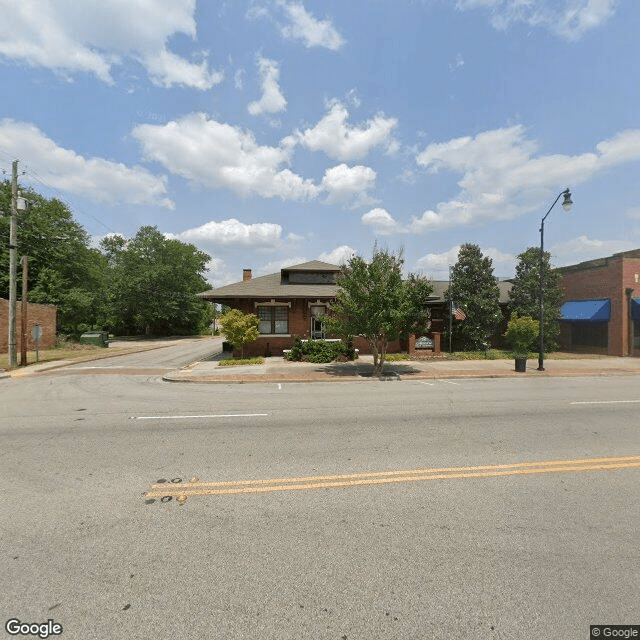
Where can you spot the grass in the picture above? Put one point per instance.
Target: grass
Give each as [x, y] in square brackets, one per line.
[232, 362]
[66, 352]
[393, 357]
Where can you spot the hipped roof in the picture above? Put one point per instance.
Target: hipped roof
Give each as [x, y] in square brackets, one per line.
[276, 287]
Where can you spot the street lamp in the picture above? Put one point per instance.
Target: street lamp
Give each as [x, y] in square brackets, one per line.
[566, 205]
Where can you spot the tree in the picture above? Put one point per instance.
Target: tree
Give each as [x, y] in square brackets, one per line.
[63, 269]
[153, 282]
[474, 289]
[374, 302]
[525, 294]
[240, 328]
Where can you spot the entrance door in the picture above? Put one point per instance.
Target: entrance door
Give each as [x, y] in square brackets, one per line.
[317, 327]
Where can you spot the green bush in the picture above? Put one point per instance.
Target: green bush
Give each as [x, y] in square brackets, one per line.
[521, 332]
[320, 351]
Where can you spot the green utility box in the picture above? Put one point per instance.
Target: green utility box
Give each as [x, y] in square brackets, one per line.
[97, 338]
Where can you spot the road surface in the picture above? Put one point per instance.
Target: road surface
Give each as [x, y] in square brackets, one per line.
[353, 540]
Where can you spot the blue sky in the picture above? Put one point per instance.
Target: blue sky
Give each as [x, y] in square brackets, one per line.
[270, 132]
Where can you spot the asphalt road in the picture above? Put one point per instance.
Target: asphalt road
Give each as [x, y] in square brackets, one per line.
[491, 552]
[168, 355]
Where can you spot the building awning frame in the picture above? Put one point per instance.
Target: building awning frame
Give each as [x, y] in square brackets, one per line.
[586, 310]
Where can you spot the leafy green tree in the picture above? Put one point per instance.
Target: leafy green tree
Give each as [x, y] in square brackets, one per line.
[525, 294]
[374, 302]
[240, 328]
[474, 289]
[63, 269]
[153, 282]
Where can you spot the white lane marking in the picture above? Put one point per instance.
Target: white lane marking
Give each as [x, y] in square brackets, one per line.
[606, 402]
[429, 383]
[219, 415]
[449, 382]
[279, 386]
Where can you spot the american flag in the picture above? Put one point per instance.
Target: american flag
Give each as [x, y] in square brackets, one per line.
[458, 313]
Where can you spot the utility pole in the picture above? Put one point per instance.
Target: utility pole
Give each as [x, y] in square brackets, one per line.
[23, 314]
[13, 247]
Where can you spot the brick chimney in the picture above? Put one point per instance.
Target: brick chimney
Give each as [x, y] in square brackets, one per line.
[246, 275]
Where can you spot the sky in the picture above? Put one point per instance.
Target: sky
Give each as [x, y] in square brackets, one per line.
[272, 132]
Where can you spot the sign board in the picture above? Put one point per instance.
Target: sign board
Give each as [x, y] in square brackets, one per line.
[424, 343]
[36, 332]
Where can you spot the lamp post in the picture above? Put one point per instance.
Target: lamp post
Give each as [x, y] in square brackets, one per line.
[566, 205]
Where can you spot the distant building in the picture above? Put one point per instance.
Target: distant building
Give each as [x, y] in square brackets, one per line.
[601, 307]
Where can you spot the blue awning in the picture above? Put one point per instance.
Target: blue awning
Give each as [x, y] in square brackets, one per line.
[635, 308]
[586, 310]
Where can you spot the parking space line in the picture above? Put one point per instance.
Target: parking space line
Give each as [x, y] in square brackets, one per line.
[218, 415]
[605, 402]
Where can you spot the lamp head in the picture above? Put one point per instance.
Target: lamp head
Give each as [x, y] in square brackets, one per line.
[567, 202]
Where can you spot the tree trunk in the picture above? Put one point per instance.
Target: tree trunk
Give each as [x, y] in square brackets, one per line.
[378, 357]
[374, 350]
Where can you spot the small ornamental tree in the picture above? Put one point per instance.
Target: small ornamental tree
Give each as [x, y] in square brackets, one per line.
[239, 328]
[521, 332]
[374, 302]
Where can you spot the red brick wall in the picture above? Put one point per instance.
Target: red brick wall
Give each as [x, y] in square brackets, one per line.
[606, 278]
[42, 314]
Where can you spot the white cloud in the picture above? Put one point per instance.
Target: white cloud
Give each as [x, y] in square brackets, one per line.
[93, 35]
[232, 232]
[458, 63]
[344, 183]
[218, 273]
[276, 265]
[503, 179]
[216, 154]
[301, 25]
[584, 248]
[333, 135]
[93, 178]
[382, 222]
[569, 19]
[238, 79]
[272, 100]
[437, 264]
[339, 255]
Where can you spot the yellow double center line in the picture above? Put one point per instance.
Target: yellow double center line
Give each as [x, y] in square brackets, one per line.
[184, 490]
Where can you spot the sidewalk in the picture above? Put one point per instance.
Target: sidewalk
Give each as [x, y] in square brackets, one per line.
[276, 369]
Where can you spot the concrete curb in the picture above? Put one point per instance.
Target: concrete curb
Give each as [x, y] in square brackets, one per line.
[258, 378]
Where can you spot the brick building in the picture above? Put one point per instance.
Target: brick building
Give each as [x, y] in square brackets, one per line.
[290, 302]
[601, 305]
[41, 314]
[287, 303]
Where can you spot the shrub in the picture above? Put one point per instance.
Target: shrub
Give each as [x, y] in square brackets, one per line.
[320, 351]
[521, 332]
[239, 328]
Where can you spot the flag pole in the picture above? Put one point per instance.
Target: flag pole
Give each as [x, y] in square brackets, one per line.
[450, 311]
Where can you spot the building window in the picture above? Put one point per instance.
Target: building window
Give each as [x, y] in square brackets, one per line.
[589, 334]
[273, 320]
